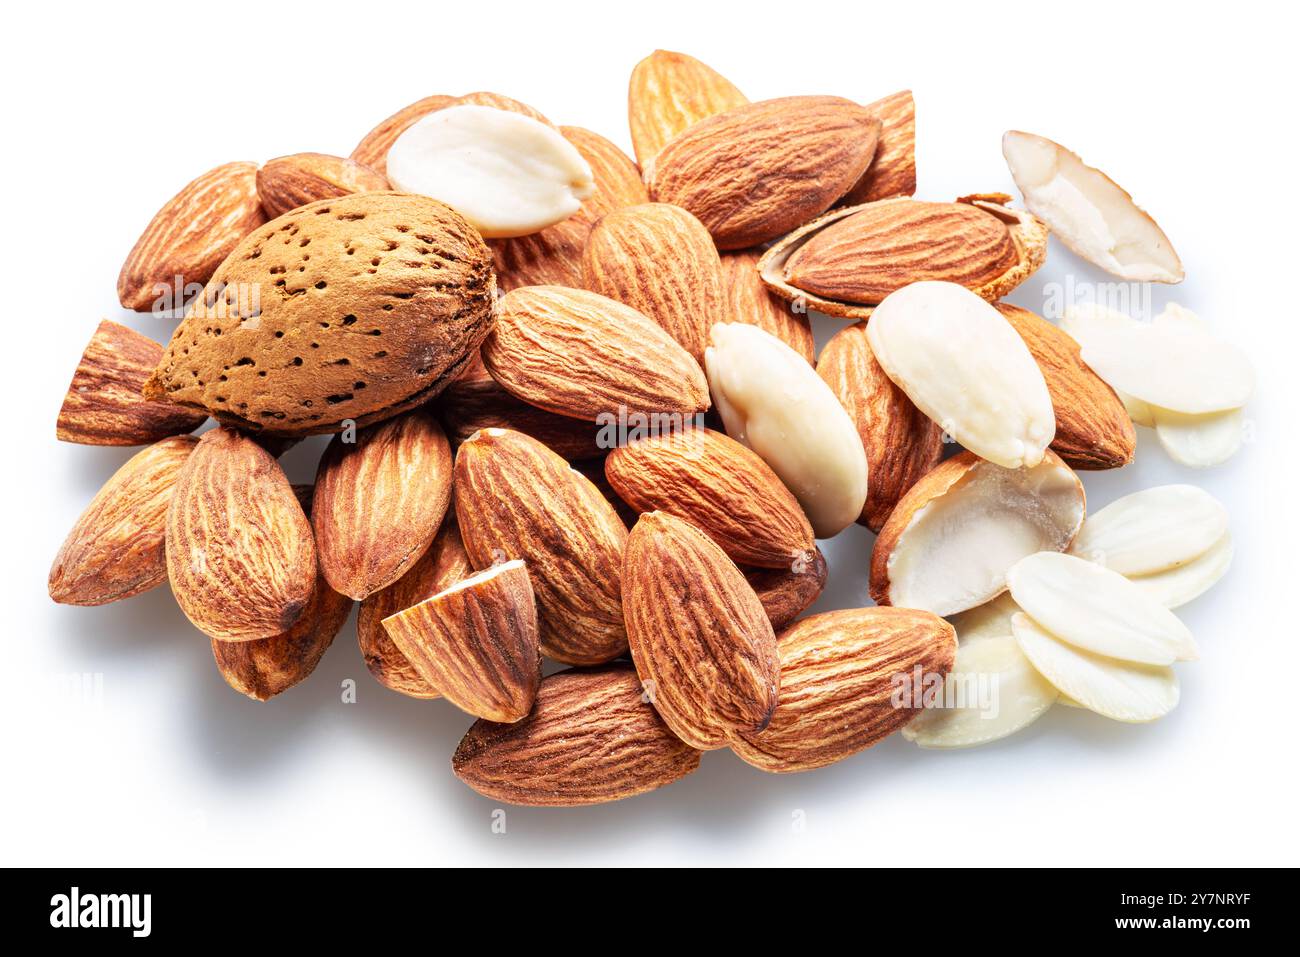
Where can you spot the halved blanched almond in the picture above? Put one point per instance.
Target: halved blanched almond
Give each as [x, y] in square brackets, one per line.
[949, 542]
[1179, 585]
[989, 620]
[992, 692]
[1088, 212]
[1120, 690]
[1098, 610]
[1152, 530]
[962, 364]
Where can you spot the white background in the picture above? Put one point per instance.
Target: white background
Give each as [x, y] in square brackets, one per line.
[109, 110]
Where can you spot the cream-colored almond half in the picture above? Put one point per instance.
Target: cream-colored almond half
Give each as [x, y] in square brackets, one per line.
[775, 403]
[1098, 610]
[1088, 212]
[1152, 530]
[507, 173]
[963, 365]
[992, 692]
[989, 620]
[1119, 690]
[1179, 585]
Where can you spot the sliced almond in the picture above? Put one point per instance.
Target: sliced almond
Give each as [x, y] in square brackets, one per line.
[1152, 530]
[1200, 441]
[1098, 610]
[1119, 690]
[989, 620]
[1177, 586]
[1088, 212]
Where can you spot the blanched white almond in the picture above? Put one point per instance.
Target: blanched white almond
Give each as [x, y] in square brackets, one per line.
[1177, 586]
[1098, 610]
[1137, 410]
[1152, 530]
[508, 174]
[1088, 212]
[1115, 689]
[989, 620]
[774, 402]
[963, 365]
[997, 690]
[950, 540]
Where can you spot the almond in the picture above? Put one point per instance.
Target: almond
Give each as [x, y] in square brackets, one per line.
[1153, 530]
[593, 470]
[115, 550]
[240, 554]
[669, 93]
[591, 738]
[719, 487]
[758, 171]
[515, 498]
[786, 593]
[372, 151]
[379, 501]
[1177, 586]
[292, 181]
[103, 405]
[901, 442]
[1093, 430]
[893, 171]
[476, 642]
[499, 102]
[750, 301]
[580, 354]
[840, 672]
[190, 236]
[661, 261]
[702, 644]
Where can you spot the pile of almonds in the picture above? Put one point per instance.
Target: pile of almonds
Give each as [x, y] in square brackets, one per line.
[577, 413]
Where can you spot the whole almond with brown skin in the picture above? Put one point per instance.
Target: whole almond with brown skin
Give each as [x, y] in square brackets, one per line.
[445, 563]
[838, 679]
[786, 593]
[115, 550]
[661, 261]
[701, 642]
[669, 93]
[756, 172]
[372, 151]
[590, 738]
[379, 501]
[580, 354]
[594, 472]
[749, 300]
[1093, 429]
[288, 182]
[893, 171]
[476, 643]
[240, 555]
[902, 443]
[103, 405]
[721, 488]
[515, 498]
[192, 234]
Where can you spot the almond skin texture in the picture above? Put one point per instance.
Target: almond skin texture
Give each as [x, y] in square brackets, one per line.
[756, 172]
[443, 565]
[579, 354]
[893, 171]
[553, 257]
[369, 305]
[837, 678]
[901, 442]
[591, 738]
[786, 593]
[115, 550]
[661, 261]
[240, 554]
[477, 643]
[749, 300]
[190, 236]
[669, 93]
[379, 501]
[372, 151]
[104, 406]
[292, 181]
[721, 488]
[1093, 429]
[702, 644]
[515, 498]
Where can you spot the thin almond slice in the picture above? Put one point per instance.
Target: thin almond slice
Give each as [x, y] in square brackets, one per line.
[1098, 610]
[1152, 530]
[774, 403]
[669, 93]
[1017, 697]
[1088, 212]
[948, 544]
[893, 171]
[1179, 585]
[1200, 441]
[1119, 690]
[1141, 413]
[751, 301]
[962, 363]
[507, 173]
[989, 620]
[786, 593]
[476, 642]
